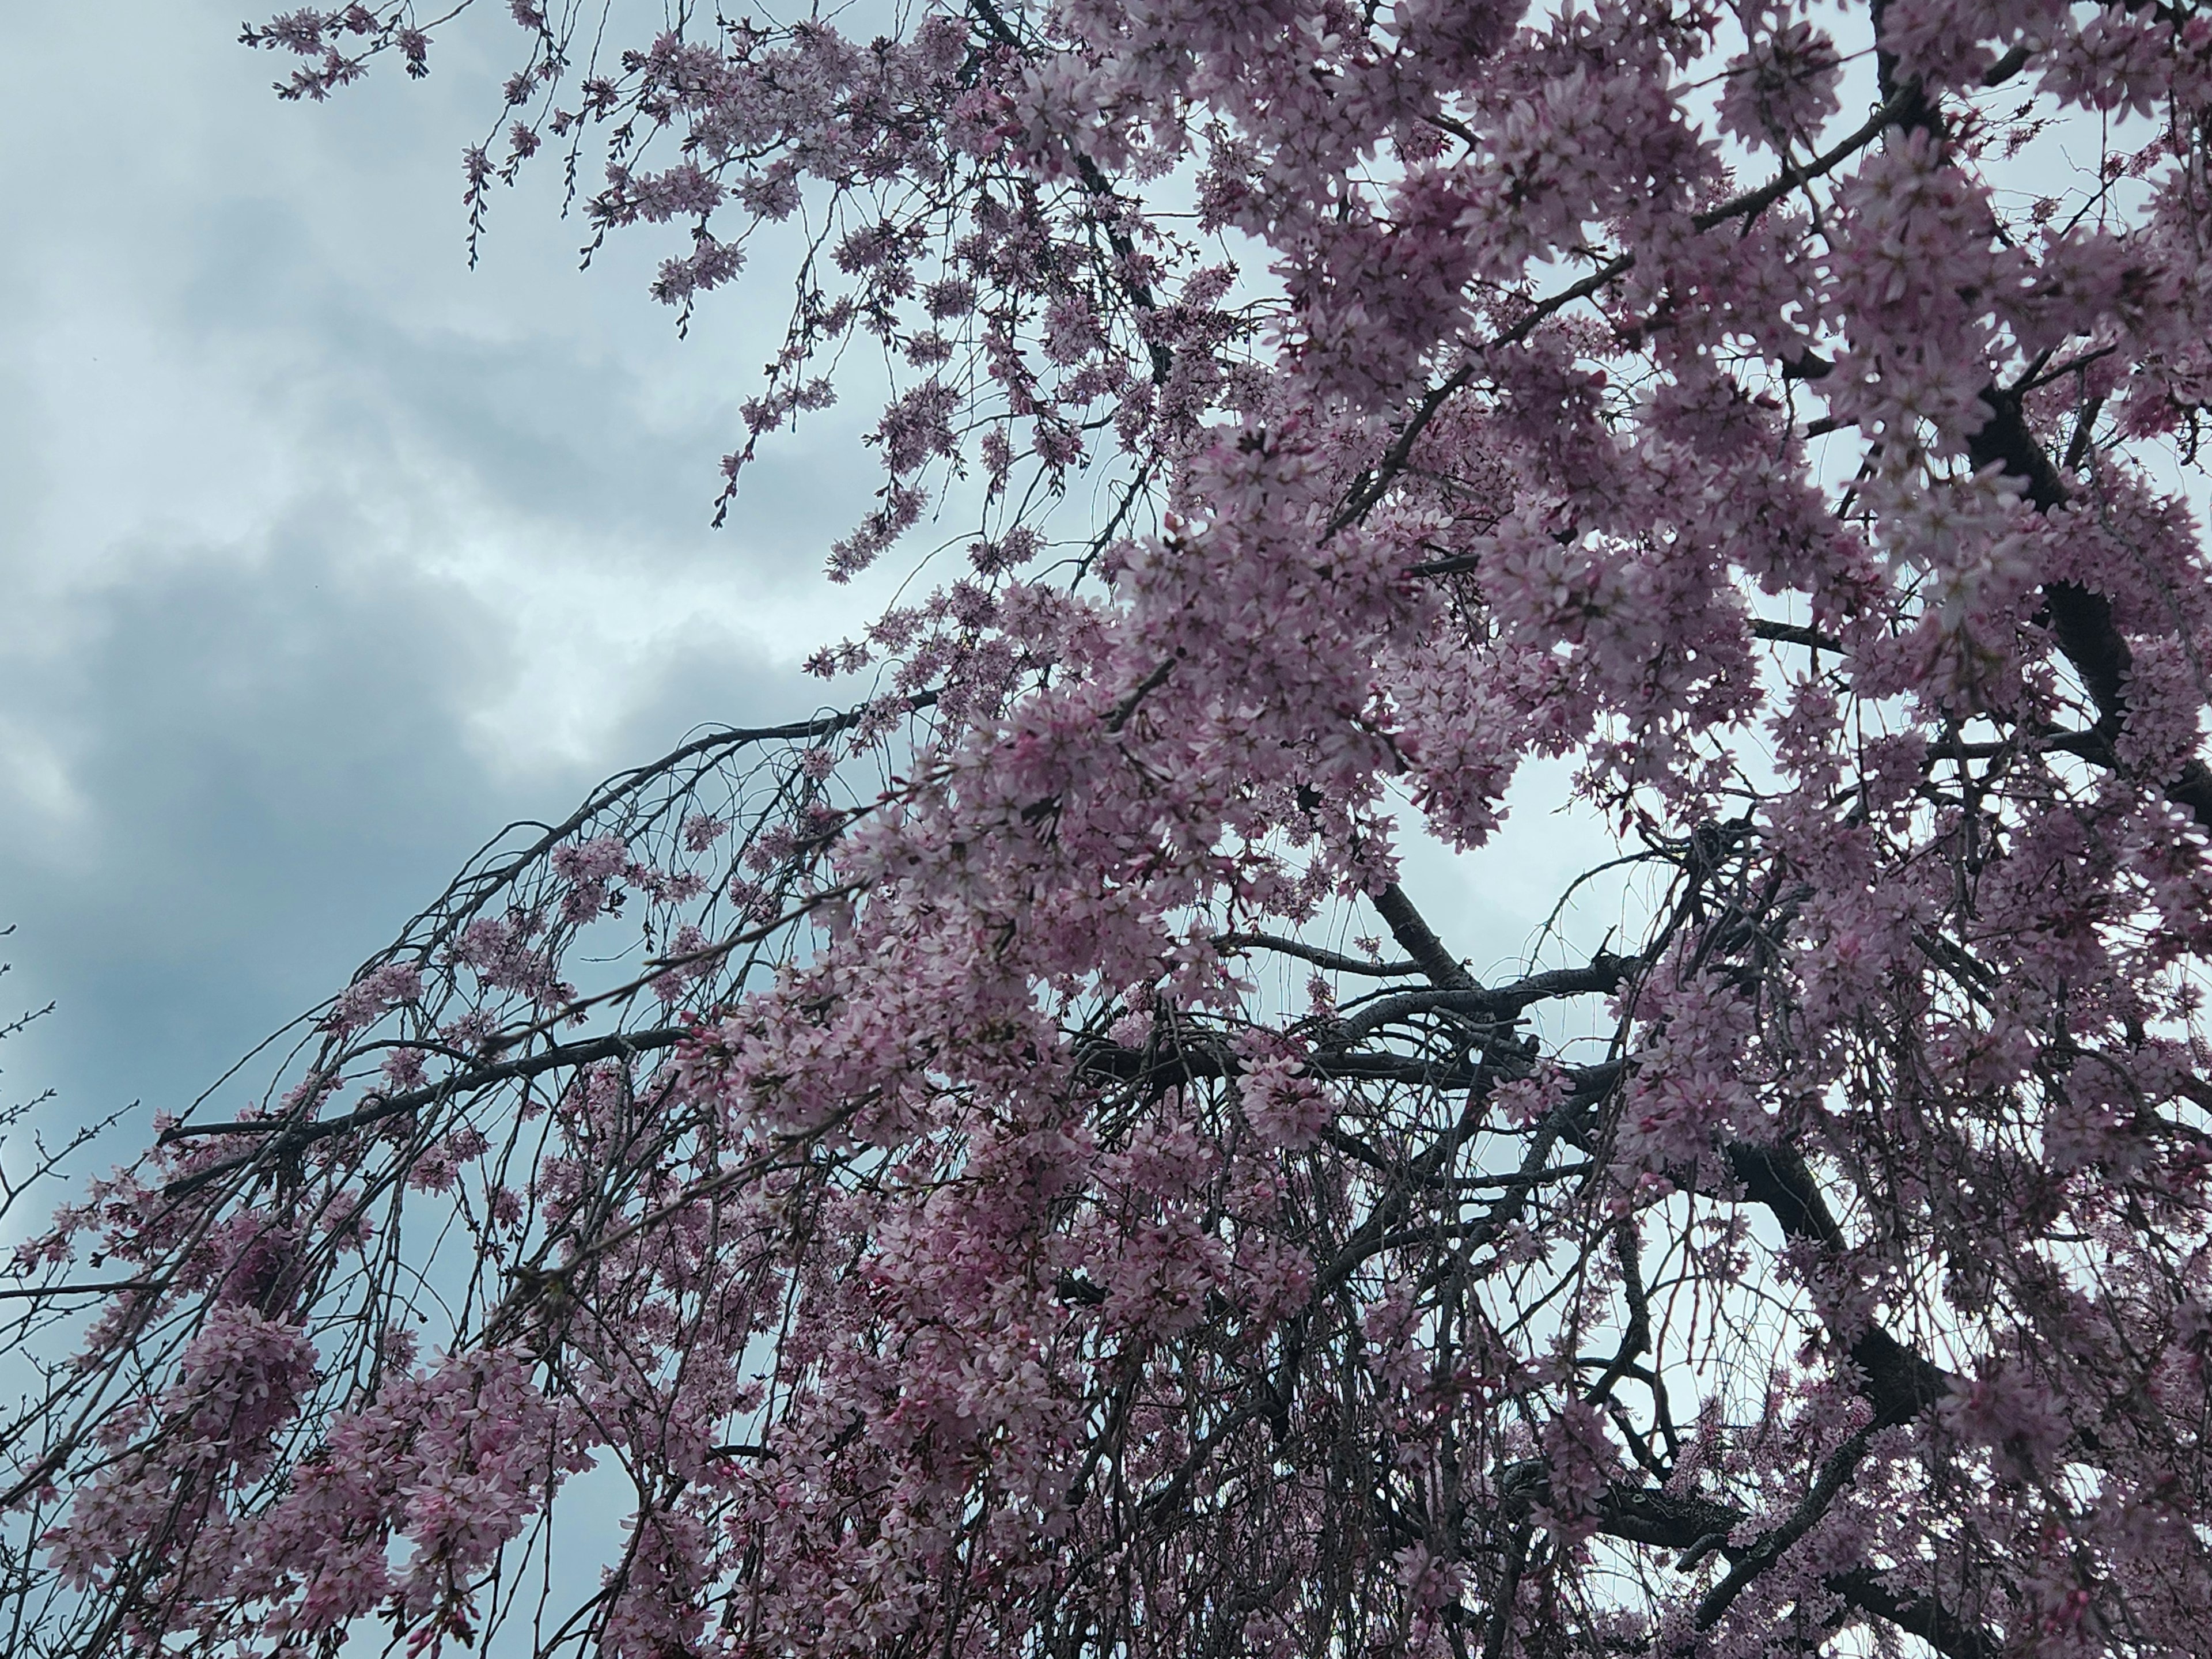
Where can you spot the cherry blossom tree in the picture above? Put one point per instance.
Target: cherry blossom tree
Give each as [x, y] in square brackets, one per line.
[950, 1229]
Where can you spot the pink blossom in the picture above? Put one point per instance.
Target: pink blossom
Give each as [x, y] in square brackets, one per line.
[1710, 473]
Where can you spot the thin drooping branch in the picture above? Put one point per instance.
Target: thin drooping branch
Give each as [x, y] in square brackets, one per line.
[298, 1132]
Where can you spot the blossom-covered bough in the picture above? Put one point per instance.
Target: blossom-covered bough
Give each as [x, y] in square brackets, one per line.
[877, 1161]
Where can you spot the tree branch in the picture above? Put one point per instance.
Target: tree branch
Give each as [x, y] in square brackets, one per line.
[1602, 976]
[1418, 940]
[1335, 961]
[1663, 1520]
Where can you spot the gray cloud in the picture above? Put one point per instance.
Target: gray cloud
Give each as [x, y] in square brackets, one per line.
[325, 557]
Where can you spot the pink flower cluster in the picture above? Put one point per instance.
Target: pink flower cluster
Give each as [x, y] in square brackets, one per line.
[943, 1212]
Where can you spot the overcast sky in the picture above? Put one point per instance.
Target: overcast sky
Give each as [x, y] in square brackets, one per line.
[325, 556]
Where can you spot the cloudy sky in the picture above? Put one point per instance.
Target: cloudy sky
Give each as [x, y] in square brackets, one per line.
[325, 556]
